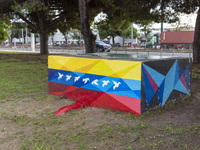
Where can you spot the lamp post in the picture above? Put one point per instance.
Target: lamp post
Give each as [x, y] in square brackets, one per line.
[26, 35]
[131, 35]
[161, 29]
[22, 37]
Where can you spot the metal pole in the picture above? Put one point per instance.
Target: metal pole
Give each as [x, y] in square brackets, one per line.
[26, 35]
[22, 37]
[131, 35]
[161, 29]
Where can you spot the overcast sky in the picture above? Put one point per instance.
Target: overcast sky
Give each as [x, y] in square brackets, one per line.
[185, 19]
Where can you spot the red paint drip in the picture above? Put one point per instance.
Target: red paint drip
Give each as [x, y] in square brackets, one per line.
[66, 109]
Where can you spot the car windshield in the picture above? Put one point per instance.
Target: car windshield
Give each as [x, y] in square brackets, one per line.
[101, 42]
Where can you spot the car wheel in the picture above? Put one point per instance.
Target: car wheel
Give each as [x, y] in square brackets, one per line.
[97, 49]
[101, 49]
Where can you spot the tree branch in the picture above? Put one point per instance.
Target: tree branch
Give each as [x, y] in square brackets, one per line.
[28, 22]
[62, 17]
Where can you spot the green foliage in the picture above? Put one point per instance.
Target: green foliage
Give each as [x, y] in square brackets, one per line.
[146, 27]
[29, 7]
[127, 32]
[4, 28]
[185, 6]
[75, 34]
[107, 28]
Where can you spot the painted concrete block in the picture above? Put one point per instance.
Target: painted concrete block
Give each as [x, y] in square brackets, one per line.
[124, 83]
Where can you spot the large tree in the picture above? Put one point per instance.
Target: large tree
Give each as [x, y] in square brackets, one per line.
[43, 16]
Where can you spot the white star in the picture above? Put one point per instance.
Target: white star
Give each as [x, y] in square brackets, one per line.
[60, 75]
[95, 82]
[86, 80]
[68, 77]
[116, 84]
[105, 83]
[77, 78]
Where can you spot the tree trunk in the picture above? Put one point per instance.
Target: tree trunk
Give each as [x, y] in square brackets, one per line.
[43, 31]
[44, 43]
[65, 38]
[88, 36]
[196, 43]
[123, 40]
[113, 40]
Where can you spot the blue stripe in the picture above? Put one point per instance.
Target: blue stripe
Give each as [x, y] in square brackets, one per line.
[118, 86]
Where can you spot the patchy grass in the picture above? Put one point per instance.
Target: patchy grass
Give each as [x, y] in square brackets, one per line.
[28, 121]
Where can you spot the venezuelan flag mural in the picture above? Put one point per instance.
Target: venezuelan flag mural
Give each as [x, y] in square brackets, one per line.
[128, 86]
[113, 84]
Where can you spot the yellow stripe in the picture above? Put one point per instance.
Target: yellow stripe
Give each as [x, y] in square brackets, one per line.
[105, 67]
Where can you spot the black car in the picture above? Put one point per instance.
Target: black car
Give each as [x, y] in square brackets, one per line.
[101, 46]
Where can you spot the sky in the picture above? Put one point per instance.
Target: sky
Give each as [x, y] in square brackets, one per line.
[187, 19]
[184, 19]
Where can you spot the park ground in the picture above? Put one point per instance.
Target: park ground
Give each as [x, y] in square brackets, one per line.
[27, 120]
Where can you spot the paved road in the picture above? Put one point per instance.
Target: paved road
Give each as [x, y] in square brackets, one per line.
[140, 52]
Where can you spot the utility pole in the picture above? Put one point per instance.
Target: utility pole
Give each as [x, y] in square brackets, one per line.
[26, 35]
[131, 35]
[161, 29]
[22, 37]
[162, 5]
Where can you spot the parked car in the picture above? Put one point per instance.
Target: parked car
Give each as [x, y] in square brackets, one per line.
[57, 44]
[101, 46]
[65, 45]
[107, 42]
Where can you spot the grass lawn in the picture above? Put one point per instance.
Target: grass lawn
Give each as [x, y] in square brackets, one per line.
[27, 120]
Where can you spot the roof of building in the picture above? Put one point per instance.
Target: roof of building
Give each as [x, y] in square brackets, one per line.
[177, 37]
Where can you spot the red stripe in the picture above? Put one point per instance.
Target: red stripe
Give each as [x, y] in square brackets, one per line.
[97, 99]
[184, 83]
[153, 83]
